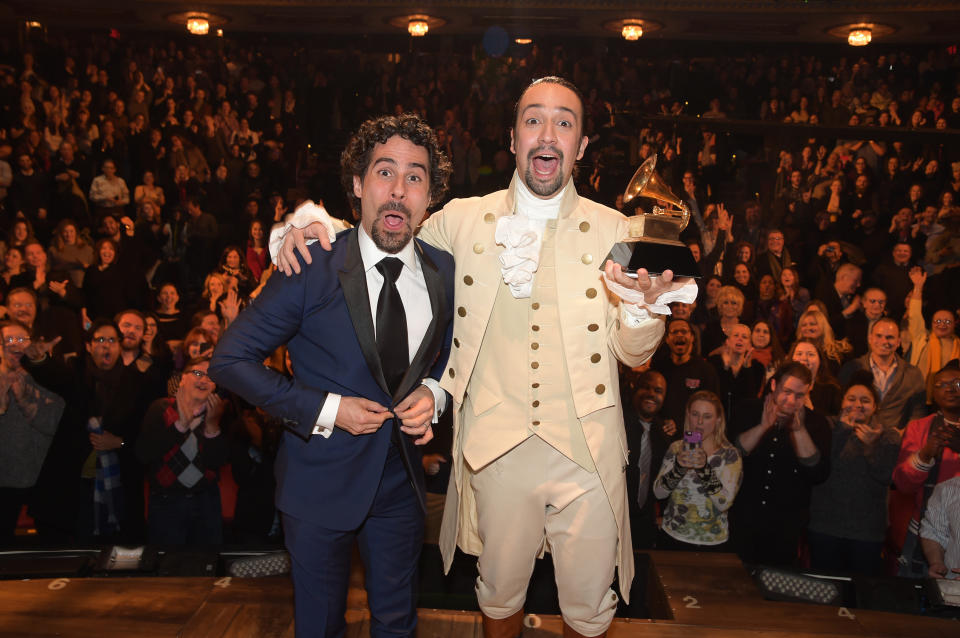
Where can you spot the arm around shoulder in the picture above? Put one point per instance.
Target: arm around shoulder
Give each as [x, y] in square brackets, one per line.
[266, 324]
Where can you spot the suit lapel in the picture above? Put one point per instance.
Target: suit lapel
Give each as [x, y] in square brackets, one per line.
[353, 283]
[430, 343]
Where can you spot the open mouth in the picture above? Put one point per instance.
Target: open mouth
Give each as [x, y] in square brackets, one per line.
[545, 163]
[394, 216]
[394, 221]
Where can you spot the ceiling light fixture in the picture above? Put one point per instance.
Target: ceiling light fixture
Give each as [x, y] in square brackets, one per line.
[418, 26]
[198, 25]
[860, 36]
[523, 41]
[632, 30]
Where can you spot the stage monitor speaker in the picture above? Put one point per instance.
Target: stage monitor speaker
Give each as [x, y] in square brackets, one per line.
[268, 564]
[787, 585]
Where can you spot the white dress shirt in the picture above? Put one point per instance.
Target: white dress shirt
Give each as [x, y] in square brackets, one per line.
[941, 522]
[416, 303]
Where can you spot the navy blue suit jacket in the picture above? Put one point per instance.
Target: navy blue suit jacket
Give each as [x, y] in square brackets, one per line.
[324, 316]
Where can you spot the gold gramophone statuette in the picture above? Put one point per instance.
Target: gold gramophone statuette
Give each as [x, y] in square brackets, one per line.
[653, 238]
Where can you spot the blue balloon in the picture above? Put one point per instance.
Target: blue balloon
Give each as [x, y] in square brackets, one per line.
[495, 41]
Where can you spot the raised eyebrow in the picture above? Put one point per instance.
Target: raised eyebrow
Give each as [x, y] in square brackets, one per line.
[393, 162]
[557, 108]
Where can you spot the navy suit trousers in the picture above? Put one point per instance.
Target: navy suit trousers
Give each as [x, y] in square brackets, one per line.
[389, 539]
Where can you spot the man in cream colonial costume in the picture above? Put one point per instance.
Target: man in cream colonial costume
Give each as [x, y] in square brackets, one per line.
[539, 450]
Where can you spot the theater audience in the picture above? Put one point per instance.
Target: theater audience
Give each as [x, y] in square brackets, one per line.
[70, 252]
[730, 302]
[837, 201]
[814, 325]
[930, 348]
[739, 377]
[113, 407]
[685, 372]
[929, 455]
[699, 480]
[107, 288]
[824, 396]
[786, 451]
[648, 436]
[939, 533]
[29, 414]
[900, 385]
[765, 348]
[848, 512]
[182, 448]
[873, 304]
[170, 320]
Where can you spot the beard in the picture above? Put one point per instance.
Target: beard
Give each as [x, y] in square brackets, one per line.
[543, 189]
[391, 241]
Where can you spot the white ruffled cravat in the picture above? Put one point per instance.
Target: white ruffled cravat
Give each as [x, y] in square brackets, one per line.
[521, 235]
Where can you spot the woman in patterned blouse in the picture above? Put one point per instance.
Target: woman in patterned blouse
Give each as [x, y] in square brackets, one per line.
[700, 481]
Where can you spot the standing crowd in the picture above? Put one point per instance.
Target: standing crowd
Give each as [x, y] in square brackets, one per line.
[803, 409]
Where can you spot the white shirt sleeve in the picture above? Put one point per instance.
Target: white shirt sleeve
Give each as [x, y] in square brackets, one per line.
[439, 398]
[328, 416]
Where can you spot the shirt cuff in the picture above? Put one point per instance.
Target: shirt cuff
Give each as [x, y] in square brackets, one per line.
[919, 465]
[328, 415]
[809, 461]
[303, 216]
[686, 293]
[439, 397]
[632, 314]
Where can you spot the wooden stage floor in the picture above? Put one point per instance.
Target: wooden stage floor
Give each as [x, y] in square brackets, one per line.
[702, 595]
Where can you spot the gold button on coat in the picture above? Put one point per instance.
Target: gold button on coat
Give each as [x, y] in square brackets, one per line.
[462, 311]
[591, 293]
[451, 373]
[536, 404]
[478, 248]
[593, 327]
[535, 328]
[456, 342]
[535, 305]
[489, 218]
[534, 346]
[534, 365]
[467, 279]
[584, 227]
[601, 389]
[595, 358]
[587, 258]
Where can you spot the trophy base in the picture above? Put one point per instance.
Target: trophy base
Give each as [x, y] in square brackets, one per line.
[655, 257]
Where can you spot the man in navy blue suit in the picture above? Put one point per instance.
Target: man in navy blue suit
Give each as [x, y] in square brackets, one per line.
[368, 330]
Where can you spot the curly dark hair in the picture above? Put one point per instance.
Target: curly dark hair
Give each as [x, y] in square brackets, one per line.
[356, 156]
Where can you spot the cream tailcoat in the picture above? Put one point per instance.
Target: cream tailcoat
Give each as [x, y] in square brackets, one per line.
[589, 322]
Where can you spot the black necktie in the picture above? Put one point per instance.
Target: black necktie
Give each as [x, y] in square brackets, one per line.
[394, 355]
[392, 325]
